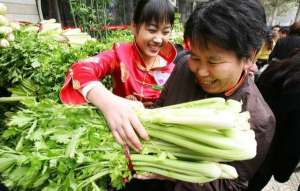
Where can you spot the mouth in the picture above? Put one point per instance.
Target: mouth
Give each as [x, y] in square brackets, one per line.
[207, 83]
[154, 48]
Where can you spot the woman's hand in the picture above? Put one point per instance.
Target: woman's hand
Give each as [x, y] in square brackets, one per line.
[120, 116]
[123, 122]
[150, 176]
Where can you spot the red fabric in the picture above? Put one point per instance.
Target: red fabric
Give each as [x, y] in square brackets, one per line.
[115, 27]
[126, 67]
[128, 158]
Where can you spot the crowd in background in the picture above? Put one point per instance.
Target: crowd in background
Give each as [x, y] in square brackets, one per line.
[278, 79]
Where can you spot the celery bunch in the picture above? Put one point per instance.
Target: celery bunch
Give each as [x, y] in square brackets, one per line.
[50, 146]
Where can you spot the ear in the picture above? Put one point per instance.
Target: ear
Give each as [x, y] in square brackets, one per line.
[249, 62]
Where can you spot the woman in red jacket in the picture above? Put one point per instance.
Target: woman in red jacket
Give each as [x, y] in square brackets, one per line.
[139, 69]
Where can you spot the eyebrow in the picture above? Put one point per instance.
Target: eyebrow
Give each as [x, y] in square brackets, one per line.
[215, 57]
[192, 54]
[156, 25]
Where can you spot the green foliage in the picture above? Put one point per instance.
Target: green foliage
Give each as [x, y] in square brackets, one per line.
[177, 32]
[35, 66]
[282, 7]
[63, 145]
[91, 16]
[49, 145]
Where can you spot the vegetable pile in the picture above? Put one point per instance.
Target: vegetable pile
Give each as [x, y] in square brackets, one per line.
[6, 28]
[35, 64]
[72, 36]
[49, 146]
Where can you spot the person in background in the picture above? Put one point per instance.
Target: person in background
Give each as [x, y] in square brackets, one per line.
[217, 66]
[275, 33]
[266, 49]
[285, 45]
[139, 70]
[280, 86]
[283, 32]
[275, 28]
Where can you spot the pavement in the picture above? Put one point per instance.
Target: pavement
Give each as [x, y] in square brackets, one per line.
[291, 185]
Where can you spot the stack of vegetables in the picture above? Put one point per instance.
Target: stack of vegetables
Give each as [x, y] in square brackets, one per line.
[49, 146]
[73, 36]
[36, 64]
[6, 28]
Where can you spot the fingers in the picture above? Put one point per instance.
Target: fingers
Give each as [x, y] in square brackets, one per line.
[131, 138]
[148, 104]
[142, 176]
[117, 137]
[126, 134]
[138, 127]
[124, 124]
[149, 176]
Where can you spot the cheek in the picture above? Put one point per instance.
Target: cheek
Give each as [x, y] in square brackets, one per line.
[143, 35]
[167, 37]
[192, 66]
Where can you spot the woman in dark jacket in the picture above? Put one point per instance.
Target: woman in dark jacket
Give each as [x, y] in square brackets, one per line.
[217, 66]
[280, 86]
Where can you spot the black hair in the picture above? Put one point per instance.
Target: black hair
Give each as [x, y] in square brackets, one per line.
[276, 26]
[237, 25]
[281, 77]
[269, 40]
[158, 11]
[284, 30]
[295, 28]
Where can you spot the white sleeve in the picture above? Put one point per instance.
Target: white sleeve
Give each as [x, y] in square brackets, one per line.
[88, 87]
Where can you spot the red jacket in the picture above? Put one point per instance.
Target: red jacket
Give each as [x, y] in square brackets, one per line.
[130, 77]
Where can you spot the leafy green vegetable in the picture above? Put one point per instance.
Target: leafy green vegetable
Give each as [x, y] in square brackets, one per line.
[53, 146]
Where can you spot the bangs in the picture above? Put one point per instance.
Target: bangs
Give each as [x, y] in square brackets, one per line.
[158, 11]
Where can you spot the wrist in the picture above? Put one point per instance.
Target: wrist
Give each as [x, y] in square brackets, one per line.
[99, 96]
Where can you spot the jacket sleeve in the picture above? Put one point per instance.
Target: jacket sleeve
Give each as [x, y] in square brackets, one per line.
[85, 71]
[286, 154]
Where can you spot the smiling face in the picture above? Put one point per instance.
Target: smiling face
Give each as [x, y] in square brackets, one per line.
[150, 38]
[216, 70]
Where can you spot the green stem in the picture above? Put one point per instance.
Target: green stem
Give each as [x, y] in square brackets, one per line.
[93, 178]
[167, 168]
[176, 176]
[204, 150]
[209, 169]
[72, 13]
[15, 99]
[203, 137]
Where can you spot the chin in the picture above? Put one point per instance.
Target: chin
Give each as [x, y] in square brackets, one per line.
[151, 54]
[210, 90]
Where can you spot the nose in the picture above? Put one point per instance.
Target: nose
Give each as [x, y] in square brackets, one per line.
[202, 70]
[158, 39]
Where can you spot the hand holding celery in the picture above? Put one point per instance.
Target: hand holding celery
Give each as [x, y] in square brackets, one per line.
[120, 116]
[54, 146]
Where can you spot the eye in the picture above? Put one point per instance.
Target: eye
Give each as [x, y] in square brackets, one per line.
[151, 30]
[212, 63]
[166, 32]
[194, 58]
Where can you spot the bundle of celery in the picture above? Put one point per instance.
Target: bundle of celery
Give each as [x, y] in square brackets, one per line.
[50, 146]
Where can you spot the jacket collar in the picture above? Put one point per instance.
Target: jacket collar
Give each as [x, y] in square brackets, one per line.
[166, 56]
[233, 89]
